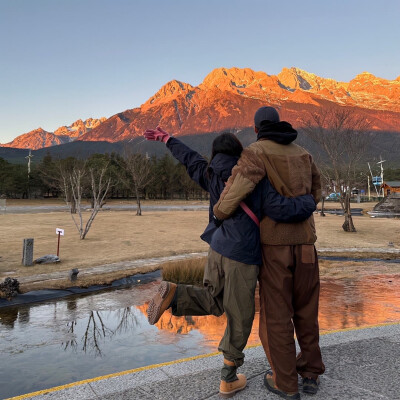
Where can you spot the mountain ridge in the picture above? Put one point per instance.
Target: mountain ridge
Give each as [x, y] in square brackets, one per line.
[228, 97]
[39, 138]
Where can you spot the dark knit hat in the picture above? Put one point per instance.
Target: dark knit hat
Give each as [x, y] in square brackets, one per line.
[265, 114]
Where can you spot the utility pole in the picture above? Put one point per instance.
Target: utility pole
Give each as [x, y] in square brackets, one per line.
[29, 162]
[369, 190]
[381, 164]
[29, 170]
[372, 179]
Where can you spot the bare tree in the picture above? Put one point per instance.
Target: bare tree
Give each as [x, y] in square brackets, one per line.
[326, 181]
[139, 172]
[344, 138]
[71, 342]
[183, 181]
[74, 181]
[95, 332]
[128, 320]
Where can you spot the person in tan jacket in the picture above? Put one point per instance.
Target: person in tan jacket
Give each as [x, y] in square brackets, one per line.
[289, 276]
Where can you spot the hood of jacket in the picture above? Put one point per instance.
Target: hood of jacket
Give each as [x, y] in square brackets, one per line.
[222, 165]
[279, 132]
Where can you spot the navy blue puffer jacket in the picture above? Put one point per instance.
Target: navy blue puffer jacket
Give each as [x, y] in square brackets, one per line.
[238, 238]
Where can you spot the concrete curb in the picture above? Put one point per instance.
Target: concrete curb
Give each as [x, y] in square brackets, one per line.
[352, 357]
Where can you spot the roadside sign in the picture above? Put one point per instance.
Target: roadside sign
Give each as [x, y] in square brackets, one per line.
[60, 232]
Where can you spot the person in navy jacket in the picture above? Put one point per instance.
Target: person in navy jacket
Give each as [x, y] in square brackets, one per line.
[230, 275]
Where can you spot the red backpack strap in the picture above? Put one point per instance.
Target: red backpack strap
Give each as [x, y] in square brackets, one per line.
[249, 213]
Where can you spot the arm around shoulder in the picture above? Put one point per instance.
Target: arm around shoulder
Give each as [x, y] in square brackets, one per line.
[245, 176]
[286, 209]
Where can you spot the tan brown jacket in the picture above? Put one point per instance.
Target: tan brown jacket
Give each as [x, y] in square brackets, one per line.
[291, 171]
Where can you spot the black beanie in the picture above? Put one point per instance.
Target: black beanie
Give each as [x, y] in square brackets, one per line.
[265, 114]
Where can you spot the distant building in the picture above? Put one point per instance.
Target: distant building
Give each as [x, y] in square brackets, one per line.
[390, 187]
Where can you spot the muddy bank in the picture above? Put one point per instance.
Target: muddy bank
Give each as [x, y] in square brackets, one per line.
[40, 295]
[339, 267]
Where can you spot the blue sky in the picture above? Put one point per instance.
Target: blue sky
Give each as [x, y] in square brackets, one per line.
[61, 60]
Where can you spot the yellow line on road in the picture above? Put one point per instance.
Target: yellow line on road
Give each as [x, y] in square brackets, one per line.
[149, 367]
[99, 378]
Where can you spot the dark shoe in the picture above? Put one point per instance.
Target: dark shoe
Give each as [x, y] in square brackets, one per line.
[229, 389]
[160, 302]
[270, 385]
[310, 385]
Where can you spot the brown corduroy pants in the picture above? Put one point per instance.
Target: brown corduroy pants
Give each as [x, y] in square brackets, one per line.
[289, 296]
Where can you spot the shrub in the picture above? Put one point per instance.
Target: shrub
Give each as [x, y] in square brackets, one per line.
[188, 272]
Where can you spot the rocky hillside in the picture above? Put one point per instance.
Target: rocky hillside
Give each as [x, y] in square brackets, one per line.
[228, 98]
[39, 138]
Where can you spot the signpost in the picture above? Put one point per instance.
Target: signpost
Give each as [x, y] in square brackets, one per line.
[59, 232]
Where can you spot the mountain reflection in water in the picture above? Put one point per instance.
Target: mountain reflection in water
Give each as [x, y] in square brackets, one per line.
[344, 303]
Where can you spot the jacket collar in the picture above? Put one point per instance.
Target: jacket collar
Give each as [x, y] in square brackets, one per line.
[279, 132]
[222, 165]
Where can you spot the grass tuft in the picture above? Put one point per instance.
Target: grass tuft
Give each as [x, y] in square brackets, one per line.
[188, 272]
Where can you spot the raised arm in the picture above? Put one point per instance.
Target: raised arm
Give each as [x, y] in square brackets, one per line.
[245, 176]
[196, 165]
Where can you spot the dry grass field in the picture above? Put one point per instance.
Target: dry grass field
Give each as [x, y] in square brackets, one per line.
[114, 236]
[371, 232]
[121, 235]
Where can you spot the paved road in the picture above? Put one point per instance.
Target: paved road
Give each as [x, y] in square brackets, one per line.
[132, 207]
[113, 207]
[360, 364]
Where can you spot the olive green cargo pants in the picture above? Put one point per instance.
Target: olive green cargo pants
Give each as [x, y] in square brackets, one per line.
[229, 287]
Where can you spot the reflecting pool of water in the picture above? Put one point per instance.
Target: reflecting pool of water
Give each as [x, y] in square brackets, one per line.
[58, 342]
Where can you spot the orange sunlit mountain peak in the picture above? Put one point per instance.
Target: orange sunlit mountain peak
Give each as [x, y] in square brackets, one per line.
[169, 90]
